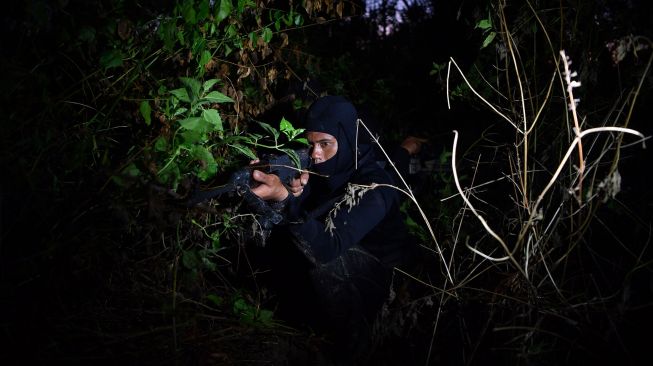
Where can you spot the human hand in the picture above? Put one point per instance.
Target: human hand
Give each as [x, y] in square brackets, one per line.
[297, 185]
[270, 187]
[413, 144]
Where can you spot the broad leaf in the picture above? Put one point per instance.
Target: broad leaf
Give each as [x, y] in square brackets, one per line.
[213, 118]
[146, 112]
[181, 94]
[194, 137]
[488, 39]
[285, 126]
[179, 111]
[111, 59]
[267, 35]
[217, 97]
[294, 157]
[223, 10]
[189, 13]
[204, 59]
[302, 140]
[270, 129]
[192, 123]
[203, 11]
[484, 24]
[209, 84]
[215, 299]
[193, 87]
[208, 166]
[160, 144]
[244, 150]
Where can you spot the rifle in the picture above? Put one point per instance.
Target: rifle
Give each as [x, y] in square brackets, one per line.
[241, 181]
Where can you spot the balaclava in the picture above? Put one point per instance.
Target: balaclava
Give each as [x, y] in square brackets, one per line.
[336, 116]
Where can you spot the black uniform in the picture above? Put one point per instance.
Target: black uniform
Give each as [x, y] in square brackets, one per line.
[350, 251]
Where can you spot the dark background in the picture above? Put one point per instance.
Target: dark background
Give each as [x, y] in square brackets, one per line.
[86, 277]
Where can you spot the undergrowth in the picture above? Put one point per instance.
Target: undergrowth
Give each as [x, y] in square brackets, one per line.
[117, 111]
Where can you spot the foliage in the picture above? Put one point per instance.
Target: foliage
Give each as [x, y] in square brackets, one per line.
[115, 110]
[118, 110]
[525, 224]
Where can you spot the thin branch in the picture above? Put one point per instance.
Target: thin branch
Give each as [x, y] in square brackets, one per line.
[478, 216]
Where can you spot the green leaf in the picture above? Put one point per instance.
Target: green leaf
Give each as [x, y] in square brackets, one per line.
[484, 24]
[266, 35]
[190, 260]
[180, 37]
[146, 112]
[231, 31]
[241, 307]
[203, 12]
[302, 140]
[213, 118]
[265, 317]
[299, 20]
[285, 126]
[208, 166]
[242, 4]
[170, 175]
[192, 86]
[188, 13]
[168, 33]
[224, 10]
[110, 59]
[179, 111]
[244, 150]
[191, 137]
[205, 58]
[215, 299]
[192, 123]
[489, 39]
[199, 45]
[270, 130]
[253, 38]
[437, 68]
[160, 144]
[215, 241]
[293, 156]
[132, 170]
[209, 84]
[217, 97]
[181, 94]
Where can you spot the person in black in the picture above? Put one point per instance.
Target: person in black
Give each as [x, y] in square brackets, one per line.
[350, 250]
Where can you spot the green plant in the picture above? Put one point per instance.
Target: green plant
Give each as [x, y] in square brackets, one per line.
[251, 314]
[197, 128]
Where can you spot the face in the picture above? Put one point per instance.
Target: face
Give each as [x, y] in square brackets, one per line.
[323, 146]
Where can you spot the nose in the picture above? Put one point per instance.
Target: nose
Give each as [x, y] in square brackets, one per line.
[316, 153]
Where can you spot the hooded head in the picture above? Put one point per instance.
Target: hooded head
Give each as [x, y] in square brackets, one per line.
[336, 116]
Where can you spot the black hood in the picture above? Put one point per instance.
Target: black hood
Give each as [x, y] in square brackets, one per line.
[336, 116]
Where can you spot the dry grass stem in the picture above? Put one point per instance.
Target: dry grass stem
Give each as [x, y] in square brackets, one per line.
[410, 194]
[478, 216]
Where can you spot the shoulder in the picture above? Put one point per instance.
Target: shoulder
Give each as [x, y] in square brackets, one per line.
[370, 173]
[375, 174]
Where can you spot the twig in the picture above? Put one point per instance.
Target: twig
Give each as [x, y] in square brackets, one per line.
[479, 96]
[410, 194]
[478, 216]
[571, 84]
